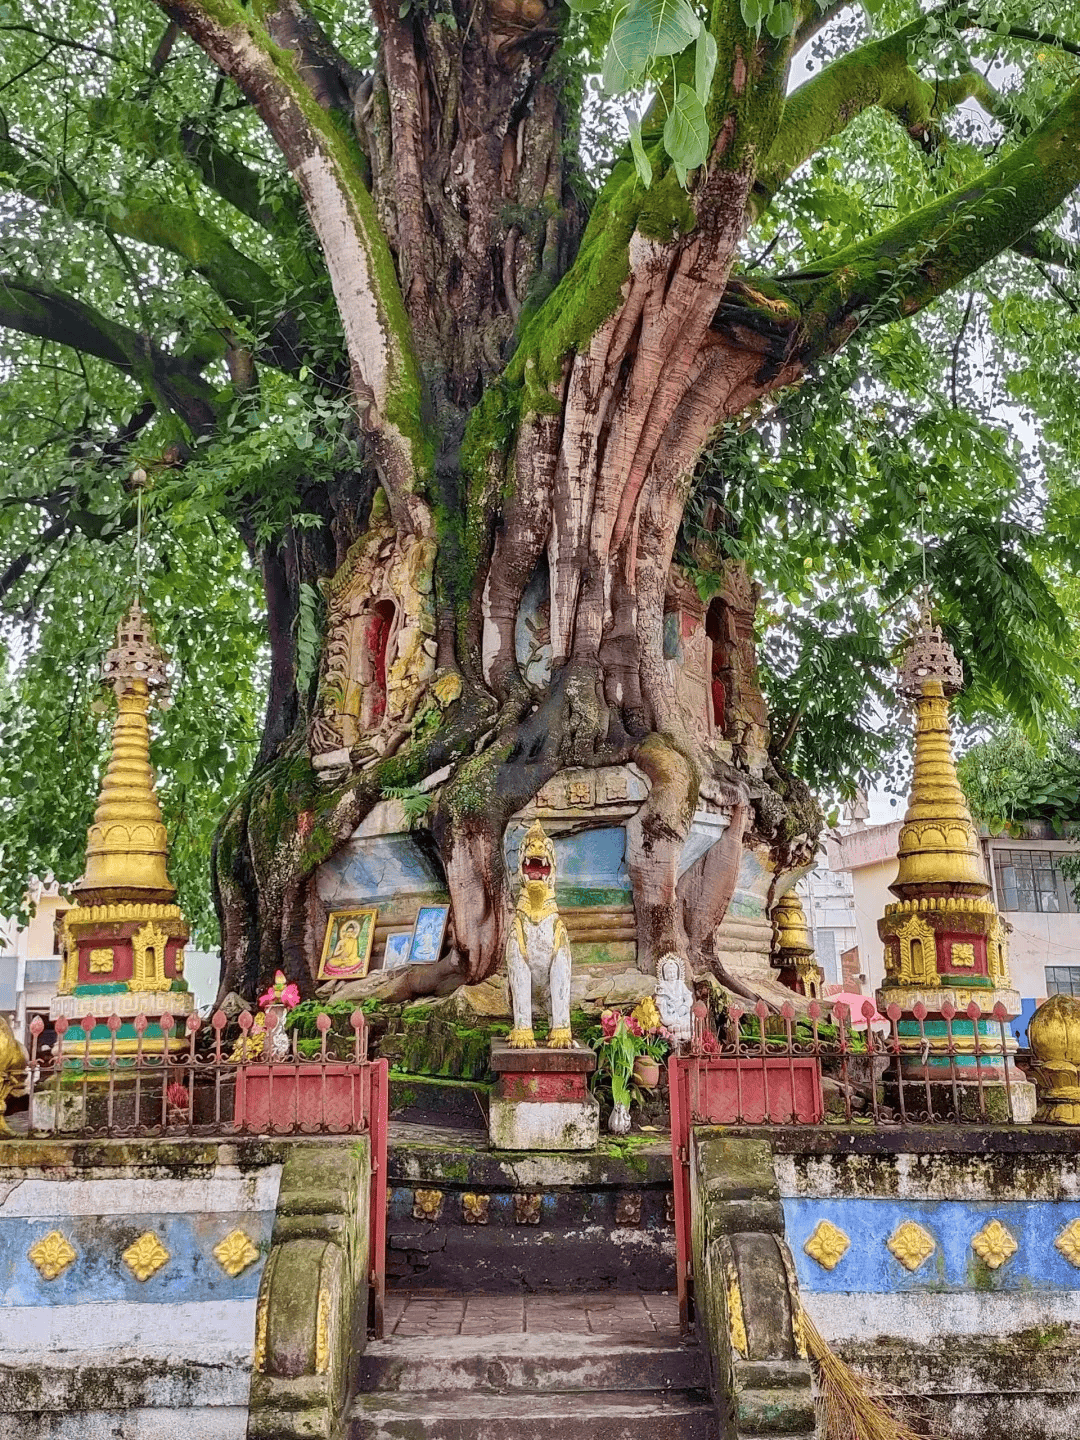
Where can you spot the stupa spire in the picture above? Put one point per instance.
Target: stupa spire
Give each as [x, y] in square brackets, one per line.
[126, 846]
[939, 849]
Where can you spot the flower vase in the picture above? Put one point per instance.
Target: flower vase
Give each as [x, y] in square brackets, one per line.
[646, 1072]
[619, 1120]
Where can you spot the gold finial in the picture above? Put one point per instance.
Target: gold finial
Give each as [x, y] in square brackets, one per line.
[790, 936]
[939, 850]
[126, 844]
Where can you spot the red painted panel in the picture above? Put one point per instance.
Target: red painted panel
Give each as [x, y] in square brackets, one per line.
[539, 1087]
[310, 1097]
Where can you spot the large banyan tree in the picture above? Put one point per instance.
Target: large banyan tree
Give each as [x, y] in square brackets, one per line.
[534, 367]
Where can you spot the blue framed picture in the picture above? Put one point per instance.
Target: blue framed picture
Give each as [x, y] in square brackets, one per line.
[427, 935]
[396, 954]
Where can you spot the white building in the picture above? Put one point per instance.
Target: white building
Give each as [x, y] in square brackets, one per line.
[828, 897]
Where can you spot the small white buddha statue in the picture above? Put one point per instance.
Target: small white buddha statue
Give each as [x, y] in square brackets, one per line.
[674, 997]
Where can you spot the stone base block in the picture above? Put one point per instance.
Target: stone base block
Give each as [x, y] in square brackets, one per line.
[544, 1125]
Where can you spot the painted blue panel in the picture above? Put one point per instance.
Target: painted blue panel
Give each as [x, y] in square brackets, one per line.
[375, 866]
[868, 1266]
[589, 860]
[99, 1273]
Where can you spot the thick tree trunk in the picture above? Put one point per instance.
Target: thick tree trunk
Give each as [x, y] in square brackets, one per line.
[569, 461]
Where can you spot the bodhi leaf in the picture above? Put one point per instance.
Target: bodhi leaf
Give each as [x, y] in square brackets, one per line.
[781, 19]
[647, 30]
[704, 64]
[686, 133]
[641, 160]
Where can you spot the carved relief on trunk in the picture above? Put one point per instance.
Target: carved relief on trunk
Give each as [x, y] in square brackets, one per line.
[380, 643]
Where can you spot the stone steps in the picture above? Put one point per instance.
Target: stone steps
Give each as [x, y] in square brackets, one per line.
[540, 1385]
[625, 1415]
[530, 1362]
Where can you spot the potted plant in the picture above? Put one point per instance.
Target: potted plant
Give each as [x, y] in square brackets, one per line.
[630, 1050]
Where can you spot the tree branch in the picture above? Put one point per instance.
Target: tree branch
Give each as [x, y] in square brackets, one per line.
[902, 269]
[230, 178]
[877, 74]
[247, 289]
[19, 566]
[34, 307]
[386, 383]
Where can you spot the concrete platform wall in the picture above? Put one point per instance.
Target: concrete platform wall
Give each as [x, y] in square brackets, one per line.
[89, 1348]
[975, 1339]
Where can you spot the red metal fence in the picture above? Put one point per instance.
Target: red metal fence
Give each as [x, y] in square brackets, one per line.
[175, 1080]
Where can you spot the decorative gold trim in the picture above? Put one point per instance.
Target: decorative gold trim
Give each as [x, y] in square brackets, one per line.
[736, 1318]
[1068, 1242]
[52, 1254]
[911, 1244]
[235, 1253]
[827, 1245]
[962, 953]
[69, 965]
[102, 961]
[259, 1356]
[148, 972]
[322, 1332]
[994, 1244]
[145, 1256]
[917, 967]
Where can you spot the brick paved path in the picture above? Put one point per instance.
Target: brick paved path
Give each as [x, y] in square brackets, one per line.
[418, 1313]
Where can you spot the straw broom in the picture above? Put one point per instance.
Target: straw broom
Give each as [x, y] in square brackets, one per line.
[847, 1409]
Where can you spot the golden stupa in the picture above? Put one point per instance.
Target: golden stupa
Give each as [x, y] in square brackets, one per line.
[123, 938]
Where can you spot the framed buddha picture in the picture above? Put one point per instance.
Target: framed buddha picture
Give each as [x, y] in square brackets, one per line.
[346, 951]
[427, 935]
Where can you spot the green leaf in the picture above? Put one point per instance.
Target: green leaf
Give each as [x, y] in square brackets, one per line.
[686, 133]
[641, 160]
[753, 12]
[781, 19]
[704, 64]
[647, 30]
[584, 7]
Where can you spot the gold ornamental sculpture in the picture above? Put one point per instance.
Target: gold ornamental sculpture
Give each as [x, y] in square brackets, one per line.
[1054, 1037]
[792, 949]
[945, 943]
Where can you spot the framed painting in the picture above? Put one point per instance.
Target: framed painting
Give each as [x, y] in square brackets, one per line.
[346, 951]
[427, 935]
[396, 954]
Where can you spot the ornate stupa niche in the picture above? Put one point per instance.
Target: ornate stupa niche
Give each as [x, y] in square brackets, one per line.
[381, 648]
[945, 942]
[123, 938]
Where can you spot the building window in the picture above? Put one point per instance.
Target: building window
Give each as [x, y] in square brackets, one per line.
[1031, 880]
[1063, 980]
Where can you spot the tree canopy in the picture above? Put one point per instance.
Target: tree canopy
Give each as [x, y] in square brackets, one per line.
[821, 262]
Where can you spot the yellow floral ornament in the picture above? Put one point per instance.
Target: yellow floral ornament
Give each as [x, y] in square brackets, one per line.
[911, 1244]
[52, 1254]
[827, 1245]
[146, 1256]
[235, 1253]
[994, 1245]
[1068, 1242]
